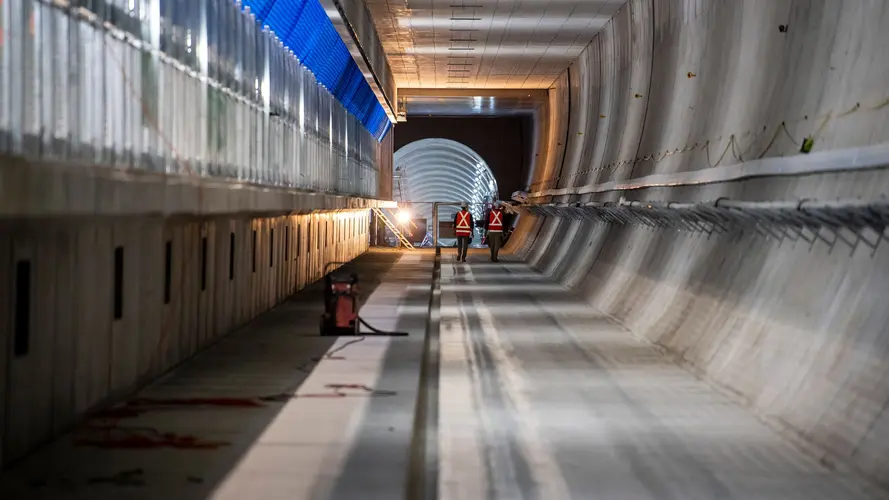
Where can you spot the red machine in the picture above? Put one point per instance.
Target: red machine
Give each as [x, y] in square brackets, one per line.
[341, 304]
[341, 307]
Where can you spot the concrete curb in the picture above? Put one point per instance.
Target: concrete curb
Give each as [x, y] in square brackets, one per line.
[422, 482]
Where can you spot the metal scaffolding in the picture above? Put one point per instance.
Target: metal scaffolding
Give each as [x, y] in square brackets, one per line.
[849, 222]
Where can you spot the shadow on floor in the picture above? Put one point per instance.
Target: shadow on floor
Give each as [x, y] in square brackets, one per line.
[379, 459]
[271, 355]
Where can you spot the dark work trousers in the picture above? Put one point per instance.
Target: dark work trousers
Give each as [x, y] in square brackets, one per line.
[495, 241]
[462, 246]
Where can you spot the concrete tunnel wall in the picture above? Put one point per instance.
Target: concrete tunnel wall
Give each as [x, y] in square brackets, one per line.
[85, 348]
[799, 335]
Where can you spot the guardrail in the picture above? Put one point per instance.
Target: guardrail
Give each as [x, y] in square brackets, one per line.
[195, 88]
[848, 222]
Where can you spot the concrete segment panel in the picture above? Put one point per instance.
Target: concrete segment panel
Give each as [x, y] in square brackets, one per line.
[99, 336]
[168, 343]
[191, 257]
[65, 345]
[22, 369]
[45, 273]
[151, 276]
[85, 244]
[123, 331]
[7, 277]
[222, 292]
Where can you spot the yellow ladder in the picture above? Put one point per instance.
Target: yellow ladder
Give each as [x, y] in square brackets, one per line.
[392, 228]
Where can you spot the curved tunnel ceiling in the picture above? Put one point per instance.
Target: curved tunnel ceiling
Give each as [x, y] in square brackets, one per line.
[432, 170]
[494, 45]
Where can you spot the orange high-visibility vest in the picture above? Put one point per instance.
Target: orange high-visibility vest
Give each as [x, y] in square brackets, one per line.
[495, 221]
[463, 227]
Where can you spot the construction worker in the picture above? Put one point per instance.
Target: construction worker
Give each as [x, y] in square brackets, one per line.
[463, 224]
[494, 230]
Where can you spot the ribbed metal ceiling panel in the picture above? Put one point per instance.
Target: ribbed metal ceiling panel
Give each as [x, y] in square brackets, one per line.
[488, 44]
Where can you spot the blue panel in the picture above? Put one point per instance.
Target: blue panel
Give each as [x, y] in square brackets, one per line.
[305, 29]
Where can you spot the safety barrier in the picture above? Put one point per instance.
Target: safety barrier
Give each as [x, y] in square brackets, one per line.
[850, 222]
[196, 88]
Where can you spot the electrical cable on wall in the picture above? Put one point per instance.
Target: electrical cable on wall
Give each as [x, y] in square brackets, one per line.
[806, 145]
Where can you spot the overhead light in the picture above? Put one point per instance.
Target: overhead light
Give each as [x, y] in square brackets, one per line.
[515, 23]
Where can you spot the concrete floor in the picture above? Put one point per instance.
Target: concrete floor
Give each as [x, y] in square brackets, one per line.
[543, 398]
[540, 398]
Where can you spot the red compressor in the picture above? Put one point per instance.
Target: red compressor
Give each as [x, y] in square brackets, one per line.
[341, 304]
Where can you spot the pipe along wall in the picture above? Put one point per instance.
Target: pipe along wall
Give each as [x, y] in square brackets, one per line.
[100, 307]
[798, 334]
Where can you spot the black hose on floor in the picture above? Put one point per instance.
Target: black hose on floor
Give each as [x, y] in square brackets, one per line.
[377, 331]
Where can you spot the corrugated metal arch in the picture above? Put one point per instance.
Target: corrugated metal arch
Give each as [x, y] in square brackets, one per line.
[432, 170]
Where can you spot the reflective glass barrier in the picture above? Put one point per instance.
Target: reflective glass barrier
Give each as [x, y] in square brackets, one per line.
[154, 85]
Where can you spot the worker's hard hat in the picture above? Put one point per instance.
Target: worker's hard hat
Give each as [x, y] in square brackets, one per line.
[464, 204]
[496, 204]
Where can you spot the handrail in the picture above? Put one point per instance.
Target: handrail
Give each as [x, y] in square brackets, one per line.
[404, 241]
[838, 160]
[851, 222]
